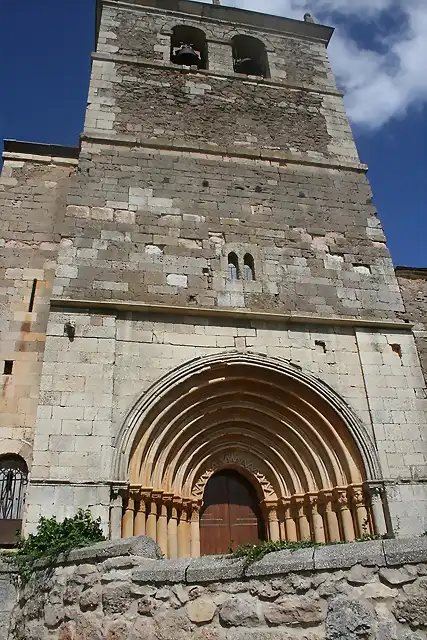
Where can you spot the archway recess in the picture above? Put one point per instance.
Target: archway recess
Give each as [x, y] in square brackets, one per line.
[290, 434]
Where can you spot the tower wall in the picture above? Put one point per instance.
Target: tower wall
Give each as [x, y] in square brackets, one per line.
[178, 168]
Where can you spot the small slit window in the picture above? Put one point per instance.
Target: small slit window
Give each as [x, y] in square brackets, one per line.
[249, 56]
[188, 47]
[233, 266]
[248, 267]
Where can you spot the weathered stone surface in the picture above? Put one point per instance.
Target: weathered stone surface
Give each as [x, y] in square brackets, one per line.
[295, 610]
[173, 625]
[368, 553]
[271, 634]
[144, 628]
[238, 611]
[116, 598]
[404, 551]
[396, 577]
[360, 575]
[349, 620]
[117, 630]
[282, 562]
[411, 607]
[89, 627]
[90, 599]
[201, 610]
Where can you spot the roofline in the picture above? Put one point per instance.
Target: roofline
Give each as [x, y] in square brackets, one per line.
[40, 149]
[411, 272]
[230, 14]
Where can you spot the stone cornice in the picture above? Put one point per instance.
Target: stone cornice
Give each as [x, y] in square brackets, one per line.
[379, 553]
[277, 84]
[217, 13]
[181, 146]
[112, 306]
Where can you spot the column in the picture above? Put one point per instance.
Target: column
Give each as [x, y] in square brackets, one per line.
[273, 522]
[358, 500]
[312, 502]
[290, 526]
[173, 529]
[183, 532]
[116, 514]
[195, 530]
[281, 518]
[162, 527]
[139, 525]
[303, 524]
[380, 526]
[340, 496]
[151, 523]
[330, 517]
[127, 522]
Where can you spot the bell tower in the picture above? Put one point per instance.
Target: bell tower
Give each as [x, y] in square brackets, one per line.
[221, 264]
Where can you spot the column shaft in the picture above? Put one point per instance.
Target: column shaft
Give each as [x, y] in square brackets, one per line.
[151, 525]
[162, 529]
[195, 534]
[183, 536]
[139, 524]
[378, 513]
[173, 534]
[116, 513]
[127, 523]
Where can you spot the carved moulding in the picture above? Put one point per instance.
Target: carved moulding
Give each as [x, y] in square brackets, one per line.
[234, 460]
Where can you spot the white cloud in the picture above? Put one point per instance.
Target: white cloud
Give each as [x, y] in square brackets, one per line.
[383, 80]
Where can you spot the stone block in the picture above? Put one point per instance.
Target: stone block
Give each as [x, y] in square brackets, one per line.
[405, 550]
[212, 568]
[343, 556]
[282, 562]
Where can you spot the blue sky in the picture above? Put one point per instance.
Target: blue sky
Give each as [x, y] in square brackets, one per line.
[377, 54]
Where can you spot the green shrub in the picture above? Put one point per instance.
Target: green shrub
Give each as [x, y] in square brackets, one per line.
[53, 537]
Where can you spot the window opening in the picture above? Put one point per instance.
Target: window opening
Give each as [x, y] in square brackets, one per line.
[13, 482]
[33, 295]
[233, 266]
[249, 56]
[8, 367]
[248, 267]
[189, 47]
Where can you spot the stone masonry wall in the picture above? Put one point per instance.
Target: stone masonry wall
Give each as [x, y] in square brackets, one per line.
[158, 225]
[413, 286]
[32, 197]
[370, 590]
[90, 384]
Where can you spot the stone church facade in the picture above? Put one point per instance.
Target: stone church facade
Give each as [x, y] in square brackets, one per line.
[202, 293]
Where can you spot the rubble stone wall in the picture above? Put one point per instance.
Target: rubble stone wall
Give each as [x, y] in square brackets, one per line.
[368, 590]
[413, 286]
[32, 201]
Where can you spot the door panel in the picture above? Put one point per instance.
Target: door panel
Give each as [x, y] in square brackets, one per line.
[231, 515]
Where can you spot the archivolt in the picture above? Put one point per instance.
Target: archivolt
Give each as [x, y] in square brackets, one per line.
[295, 433]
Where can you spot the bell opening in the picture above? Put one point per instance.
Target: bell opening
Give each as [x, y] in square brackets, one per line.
[249, 56]
[188, 47]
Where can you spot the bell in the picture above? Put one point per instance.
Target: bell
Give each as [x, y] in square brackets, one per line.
[185, 54]
[248, 66]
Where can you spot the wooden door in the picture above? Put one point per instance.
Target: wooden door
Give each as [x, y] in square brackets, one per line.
[230, 515]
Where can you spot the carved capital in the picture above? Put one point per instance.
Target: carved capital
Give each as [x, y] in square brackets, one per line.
[157, 496]
[145, 494]
[312, 501]
[340, 497]
[297, 502]
[195, 510]
[325, 499]
[357, 496]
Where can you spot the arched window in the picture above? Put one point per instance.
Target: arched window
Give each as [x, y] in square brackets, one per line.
[13, 483]
[250, 56]
[233, 266]
[248, 267]
[188, 46]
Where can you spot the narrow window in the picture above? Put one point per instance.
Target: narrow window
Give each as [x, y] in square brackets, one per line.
[248, 267]
[13, 482]
[188, 47]
[249, 56]
[32, 296]
[233, 266]
[8, 367]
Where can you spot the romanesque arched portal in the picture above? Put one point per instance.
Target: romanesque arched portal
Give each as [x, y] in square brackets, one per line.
[295, 440]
